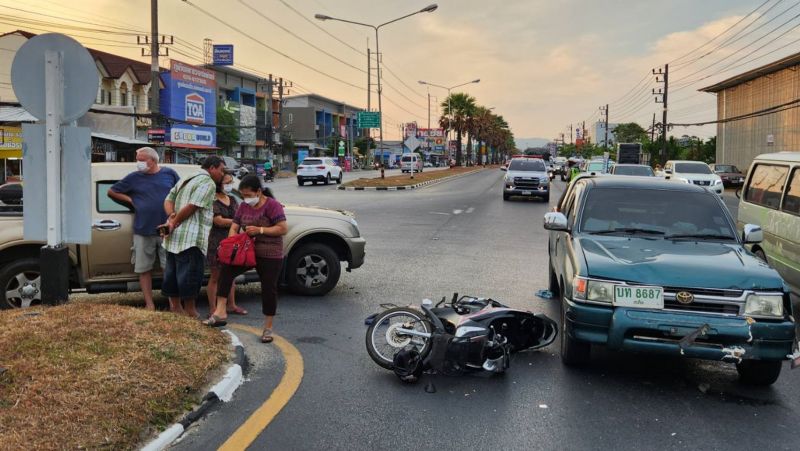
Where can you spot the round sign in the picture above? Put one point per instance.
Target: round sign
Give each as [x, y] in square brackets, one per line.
[80, 76]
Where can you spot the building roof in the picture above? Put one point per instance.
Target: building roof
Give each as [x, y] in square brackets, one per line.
[775, 66]
[325, 99]
[237, 72]
[115, 65]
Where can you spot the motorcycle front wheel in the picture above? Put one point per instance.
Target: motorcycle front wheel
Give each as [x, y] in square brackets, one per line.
[384, 340]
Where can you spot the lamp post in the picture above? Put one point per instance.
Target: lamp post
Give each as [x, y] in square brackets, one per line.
[449, 109]
[428, 9]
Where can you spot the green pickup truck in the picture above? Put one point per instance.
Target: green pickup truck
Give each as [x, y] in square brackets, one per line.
[317, 242]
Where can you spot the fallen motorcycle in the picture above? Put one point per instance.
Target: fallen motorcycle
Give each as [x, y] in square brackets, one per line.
[467, 335]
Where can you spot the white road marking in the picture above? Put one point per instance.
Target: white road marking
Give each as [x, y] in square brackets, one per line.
[470, 209]
[458, 212]
[438, 213]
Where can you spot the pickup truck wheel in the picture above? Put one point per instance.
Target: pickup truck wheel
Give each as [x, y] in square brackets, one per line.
[573, 352]
[506, 196]
[21, 285]
[759, 372]
[313, 269]
[554, 288]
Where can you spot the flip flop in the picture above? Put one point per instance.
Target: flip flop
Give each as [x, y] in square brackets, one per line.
[215, 321]
[266, 336]
[238, 311]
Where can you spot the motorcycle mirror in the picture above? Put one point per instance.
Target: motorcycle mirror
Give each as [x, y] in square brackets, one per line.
[455, 298]
[427, 302]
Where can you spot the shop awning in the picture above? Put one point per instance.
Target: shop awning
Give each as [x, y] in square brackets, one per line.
[15, 114]
[120, 139]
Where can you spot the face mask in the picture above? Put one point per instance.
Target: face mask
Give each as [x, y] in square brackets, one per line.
[251, 201]
[141, 166]
[227, 187]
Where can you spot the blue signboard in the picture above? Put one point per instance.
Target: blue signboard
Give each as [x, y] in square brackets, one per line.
[223, 55]
[189, 101]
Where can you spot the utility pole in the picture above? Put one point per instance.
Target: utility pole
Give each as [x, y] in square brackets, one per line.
[604, 110]
[570, 135]
[662, 76]
[369, 104]
[270, 114]
[429, 110]
[280, 107]
[653, 128]
[154, 69]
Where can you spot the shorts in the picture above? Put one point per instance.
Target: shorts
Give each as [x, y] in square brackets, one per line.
[183, 274]
[144, 252]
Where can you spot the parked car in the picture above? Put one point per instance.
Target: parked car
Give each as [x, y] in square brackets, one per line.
[641, 170]
[729, 174]
[317, 242]
[427, 164]
[657, 266]
[526, 177]
[694, 172]
[321, 169]
[771, 199]
[411, 161]
[11, 194]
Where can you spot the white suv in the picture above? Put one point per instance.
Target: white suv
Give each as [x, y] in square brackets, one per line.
[321, 169]
[695, 172]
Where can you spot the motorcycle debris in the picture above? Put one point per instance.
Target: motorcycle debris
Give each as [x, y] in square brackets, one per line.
[545, 294]
[430, 388]
[370, 319]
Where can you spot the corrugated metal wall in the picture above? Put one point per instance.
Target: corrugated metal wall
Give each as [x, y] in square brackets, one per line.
[739, 142]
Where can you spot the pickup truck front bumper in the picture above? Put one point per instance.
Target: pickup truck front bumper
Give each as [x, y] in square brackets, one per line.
[541, 191]
[357, 252]
[728, 338]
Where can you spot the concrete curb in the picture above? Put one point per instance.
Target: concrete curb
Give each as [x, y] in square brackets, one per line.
[222, 391]
[407, 187]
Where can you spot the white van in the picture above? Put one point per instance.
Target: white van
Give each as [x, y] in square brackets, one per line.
[411, 160]
[770, 197]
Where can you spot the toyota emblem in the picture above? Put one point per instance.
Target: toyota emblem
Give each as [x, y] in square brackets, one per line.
[684, 297]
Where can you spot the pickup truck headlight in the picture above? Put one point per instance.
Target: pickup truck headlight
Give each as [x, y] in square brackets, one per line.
[593, 290]
[356, 232]
[764, 305]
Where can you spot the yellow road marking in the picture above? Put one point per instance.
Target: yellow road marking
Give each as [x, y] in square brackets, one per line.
[263, 416]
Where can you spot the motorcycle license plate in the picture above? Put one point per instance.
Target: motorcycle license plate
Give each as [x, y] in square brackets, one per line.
[526, 193]
[639, 297]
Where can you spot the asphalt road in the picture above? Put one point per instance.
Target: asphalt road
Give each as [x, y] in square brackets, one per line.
[460, 236]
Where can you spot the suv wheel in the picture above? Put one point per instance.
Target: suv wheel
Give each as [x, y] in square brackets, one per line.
[20, 282]
[313, 269]
[300, 182]
[341, 176]
[328, 179]
[759, 372]
[573, 352]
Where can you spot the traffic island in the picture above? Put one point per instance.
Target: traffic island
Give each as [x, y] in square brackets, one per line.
[405, 182]
[108, 376]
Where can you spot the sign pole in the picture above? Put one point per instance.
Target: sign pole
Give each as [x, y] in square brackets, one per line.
[54, 262]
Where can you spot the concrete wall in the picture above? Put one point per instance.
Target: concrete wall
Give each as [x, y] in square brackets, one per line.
[739, 142]
[300, 122]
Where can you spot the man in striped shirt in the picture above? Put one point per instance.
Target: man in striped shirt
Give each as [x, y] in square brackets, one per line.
[190, 208]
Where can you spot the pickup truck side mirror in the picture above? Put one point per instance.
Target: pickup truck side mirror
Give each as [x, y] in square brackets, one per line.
[752, 234]
[555, 221]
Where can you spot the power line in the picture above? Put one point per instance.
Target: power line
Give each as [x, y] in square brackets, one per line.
[764, 112]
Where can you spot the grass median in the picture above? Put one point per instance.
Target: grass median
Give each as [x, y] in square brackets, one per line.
[100, 376]
[406, 180]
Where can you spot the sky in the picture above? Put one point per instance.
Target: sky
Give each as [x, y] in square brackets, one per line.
[542, 64]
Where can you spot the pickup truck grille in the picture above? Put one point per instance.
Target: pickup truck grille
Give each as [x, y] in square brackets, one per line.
[705, 307]
[702, 182]
[706, 300]
[526, 182]
[718, 292]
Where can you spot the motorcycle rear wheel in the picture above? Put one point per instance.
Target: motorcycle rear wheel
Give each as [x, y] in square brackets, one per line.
[383, 343]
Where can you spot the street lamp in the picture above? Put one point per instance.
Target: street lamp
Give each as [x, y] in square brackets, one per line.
[428, 9]
[449, 109]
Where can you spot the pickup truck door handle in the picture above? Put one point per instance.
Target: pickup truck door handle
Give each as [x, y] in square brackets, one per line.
[106, 225]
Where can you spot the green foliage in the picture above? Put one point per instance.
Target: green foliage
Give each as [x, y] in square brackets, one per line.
[228, 135]
[630, 132]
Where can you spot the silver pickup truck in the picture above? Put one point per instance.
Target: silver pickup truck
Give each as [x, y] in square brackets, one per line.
[317, 242]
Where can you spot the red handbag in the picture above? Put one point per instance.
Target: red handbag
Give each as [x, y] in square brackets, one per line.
[237, 250]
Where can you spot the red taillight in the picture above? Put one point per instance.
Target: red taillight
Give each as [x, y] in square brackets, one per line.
[320, 167]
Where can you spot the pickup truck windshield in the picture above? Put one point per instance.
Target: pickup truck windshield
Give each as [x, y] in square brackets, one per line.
[692, 168]
[644, 171]
[621, 211]
[527, 165]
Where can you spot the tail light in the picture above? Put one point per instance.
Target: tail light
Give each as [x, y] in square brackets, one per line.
[301, 167]
[320, 167]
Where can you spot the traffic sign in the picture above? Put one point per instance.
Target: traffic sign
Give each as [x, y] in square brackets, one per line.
[78, 73]
[341, 148]
[412, 143]
[223, 54]
[369, 119]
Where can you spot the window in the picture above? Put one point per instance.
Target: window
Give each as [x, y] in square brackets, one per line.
[108, 97]
[766, 185]
[692, 168]
[123, 99]
[526, 164]
[311, 161]
[106, 204]
[791, 202]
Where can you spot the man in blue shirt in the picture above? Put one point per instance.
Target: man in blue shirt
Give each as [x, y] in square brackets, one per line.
[145, 189]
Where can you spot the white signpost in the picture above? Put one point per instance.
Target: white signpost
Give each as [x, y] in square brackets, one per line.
[55, 79]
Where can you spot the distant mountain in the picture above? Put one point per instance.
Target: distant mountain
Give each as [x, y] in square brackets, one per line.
[524, 143]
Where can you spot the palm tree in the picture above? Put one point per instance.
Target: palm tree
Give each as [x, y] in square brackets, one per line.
[482, 125]
[457, 109]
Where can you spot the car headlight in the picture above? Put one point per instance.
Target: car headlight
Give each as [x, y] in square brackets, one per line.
[593, 290]
[717, 182]
[764, 305]
[356, 231]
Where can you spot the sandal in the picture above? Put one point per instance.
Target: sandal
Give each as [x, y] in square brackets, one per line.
[215, 321]
[266, 336]
[238, 311]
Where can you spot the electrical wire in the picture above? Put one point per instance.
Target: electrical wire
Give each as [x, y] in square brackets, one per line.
[763, 112]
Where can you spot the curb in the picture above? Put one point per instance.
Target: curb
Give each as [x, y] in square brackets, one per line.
[222, 391]
[406, 187]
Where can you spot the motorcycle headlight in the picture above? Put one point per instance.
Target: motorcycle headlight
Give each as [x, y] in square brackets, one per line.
[593, 290]
[764, 305]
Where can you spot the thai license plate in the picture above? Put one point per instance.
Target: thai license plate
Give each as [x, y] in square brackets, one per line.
[526, 193]
[639, 297]
[741, 180]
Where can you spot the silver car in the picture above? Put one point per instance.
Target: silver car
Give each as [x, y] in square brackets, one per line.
[527, 177]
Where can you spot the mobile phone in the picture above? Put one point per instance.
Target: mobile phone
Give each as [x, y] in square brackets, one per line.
[163, 230]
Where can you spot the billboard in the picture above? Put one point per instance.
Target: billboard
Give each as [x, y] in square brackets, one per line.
[10, 142]
[223, 54]
[433, 139]
[189, 102]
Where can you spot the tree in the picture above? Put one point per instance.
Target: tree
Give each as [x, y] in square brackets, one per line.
[630, 132]
[456, 110]
[227, 133]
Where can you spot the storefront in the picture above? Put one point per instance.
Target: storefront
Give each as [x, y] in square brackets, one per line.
[10, 153]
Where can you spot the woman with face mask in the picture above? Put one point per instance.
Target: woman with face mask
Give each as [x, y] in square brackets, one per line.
[225, 207]
[262, 218]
